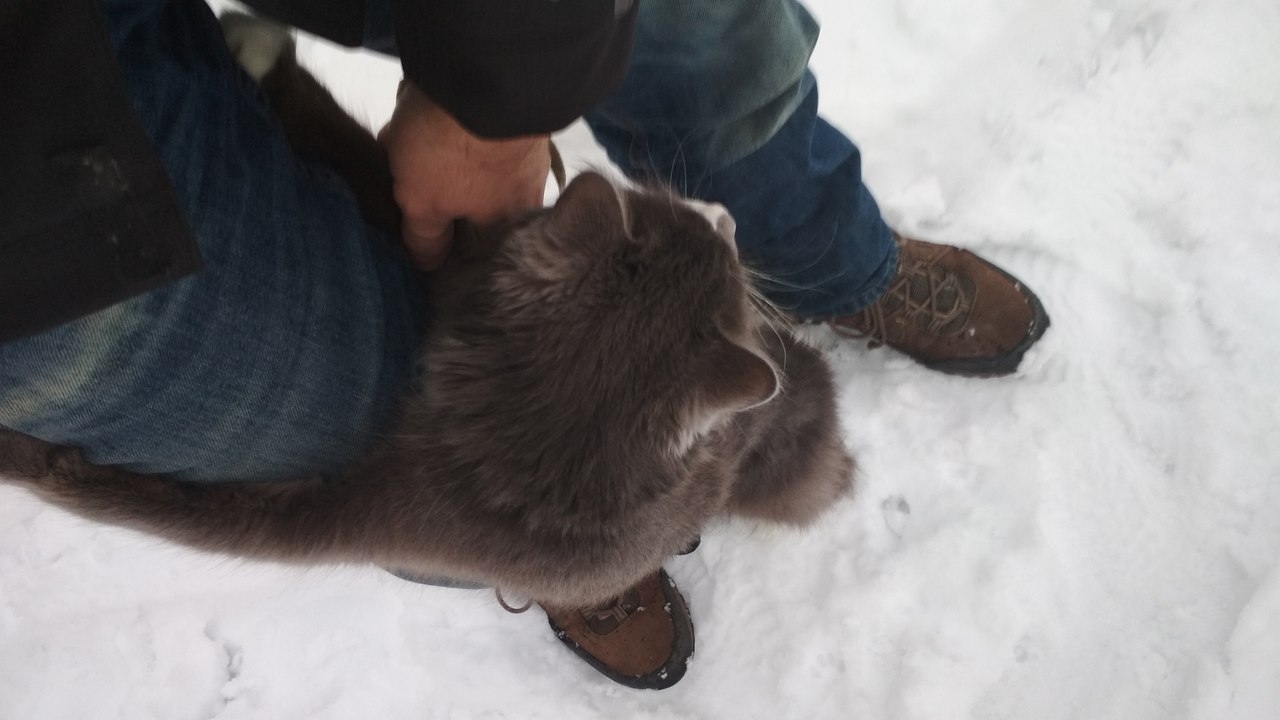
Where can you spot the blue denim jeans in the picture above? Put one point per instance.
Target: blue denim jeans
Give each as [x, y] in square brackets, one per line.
[291, 350]
[719, 103]
[288, 353]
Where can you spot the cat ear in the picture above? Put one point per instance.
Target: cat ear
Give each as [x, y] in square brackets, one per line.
[735, 378]
[590, 200]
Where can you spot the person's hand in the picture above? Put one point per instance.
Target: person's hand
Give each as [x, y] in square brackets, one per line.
[442, 173]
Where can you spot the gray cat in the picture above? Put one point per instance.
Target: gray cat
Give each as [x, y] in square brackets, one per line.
[597, 385]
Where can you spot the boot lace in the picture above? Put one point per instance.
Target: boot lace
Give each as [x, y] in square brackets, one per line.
[505, 606]
[606, 618]
[602, 619]
[919, 289]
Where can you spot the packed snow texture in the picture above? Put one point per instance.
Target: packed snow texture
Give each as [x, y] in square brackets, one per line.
[1096, 537]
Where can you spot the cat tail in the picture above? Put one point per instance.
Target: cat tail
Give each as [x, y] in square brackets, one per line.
[291, 521]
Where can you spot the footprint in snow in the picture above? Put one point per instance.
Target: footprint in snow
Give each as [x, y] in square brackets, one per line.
[896, 511]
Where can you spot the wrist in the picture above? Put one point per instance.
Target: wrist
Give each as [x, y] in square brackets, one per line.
[478, 149]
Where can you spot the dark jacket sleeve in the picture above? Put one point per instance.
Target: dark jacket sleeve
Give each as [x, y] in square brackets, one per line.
[87, 214]
[505, 67]
[501, 67]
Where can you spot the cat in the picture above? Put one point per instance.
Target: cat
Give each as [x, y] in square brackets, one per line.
[598, 384]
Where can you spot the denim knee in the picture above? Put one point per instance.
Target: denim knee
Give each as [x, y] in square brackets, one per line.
[712, 81]
[720, 105]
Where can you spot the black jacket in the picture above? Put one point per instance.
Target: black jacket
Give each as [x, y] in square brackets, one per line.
[87, 214]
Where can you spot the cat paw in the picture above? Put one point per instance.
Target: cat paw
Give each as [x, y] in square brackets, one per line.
[255, 43]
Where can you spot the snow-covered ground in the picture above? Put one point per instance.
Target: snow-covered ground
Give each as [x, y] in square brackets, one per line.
[1097, 537]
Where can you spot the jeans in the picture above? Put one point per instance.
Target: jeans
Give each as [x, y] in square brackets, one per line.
[289, 353]
[719, 103]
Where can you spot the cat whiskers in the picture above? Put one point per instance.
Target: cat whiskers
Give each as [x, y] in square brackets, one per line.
[677, 158]
[770, 315]
[769, 312]
[773, 282]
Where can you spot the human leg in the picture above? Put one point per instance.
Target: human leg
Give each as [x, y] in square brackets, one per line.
[288, 353]
[719, 103]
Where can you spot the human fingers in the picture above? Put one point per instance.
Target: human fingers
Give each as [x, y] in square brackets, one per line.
[428, 240]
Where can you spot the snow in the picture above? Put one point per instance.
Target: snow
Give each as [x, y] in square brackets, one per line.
[1097, 537]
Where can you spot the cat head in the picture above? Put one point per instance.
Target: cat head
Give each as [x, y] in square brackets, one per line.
[617, 316]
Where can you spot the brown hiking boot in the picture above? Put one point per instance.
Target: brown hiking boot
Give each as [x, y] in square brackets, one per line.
[643, 639]
[951, 311]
